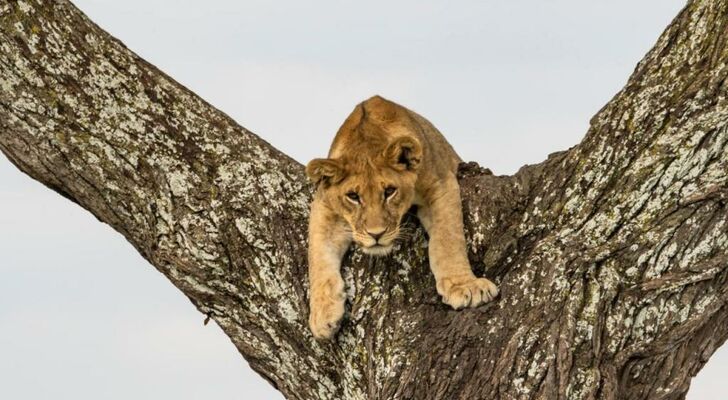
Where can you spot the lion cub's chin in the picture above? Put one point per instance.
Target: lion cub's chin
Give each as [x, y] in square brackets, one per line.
[377, 249]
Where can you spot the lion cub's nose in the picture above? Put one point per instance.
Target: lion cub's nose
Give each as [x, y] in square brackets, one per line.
[376, 233]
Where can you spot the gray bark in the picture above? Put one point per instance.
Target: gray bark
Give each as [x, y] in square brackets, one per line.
[611, 257]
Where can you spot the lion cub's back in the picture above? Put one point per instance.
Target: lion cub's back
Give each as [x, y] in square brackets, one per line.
[375, 121]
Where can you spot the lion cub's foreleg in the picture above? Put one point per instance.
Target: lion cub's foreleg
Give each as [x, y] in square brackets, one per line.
[328, 240]
[442, 217]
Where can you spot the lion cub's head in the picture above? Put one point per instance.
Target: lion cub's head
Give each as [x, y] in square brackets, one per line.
[371, 186]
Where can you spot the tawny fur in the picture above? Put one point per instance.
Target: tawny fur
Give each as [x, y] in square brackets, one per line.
[385, 159]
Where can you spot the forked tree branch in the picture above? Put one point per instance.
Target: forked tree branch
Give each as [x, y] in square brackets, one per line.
[611, 256]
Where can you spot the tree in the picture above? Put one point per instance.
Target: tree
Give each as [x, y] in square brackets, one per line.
[611, 257]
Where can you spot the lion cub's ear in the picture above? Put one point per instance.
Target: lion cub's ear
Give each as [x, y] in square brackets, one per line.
[404, 153]
[326, 170]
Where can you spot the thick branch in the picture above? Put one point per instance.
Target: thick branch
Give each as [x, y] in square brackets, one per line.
[611, 256]
[179, 179]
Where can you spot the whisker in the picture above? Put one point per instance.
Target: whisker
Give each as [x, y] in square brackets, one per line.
[405, 233]
[408, 228]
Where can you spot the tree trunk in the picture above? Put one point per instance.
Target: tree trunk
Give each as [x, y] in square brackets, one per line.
[611, 257]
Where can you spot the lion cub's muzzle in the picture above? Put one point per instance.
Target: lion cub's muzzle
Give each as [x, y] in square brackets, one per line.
[377, 241]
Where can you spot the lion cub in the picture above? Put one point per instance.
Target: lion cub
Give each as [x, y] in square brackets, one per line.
[384, 159]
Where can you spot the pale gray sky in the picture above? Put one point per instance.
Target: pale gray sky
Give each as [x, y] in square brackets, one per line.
[82, 316]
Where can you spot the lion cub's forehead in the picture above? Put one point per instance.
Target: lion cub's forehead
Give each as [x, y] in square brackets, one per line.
[363, 166]
[364, 159]
[371, 181]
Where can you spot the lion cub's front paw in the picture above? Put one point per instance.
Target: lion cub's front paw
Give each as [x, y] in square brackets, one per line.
[327, 308]
[467, 291]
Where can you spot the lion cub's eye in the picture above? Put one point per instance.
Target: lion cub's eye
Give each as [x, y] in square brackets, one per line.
[389, 191]
[353, 196]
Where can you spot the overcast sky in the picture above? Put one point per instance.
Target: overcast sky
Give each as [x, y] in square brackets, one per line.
[83, 316]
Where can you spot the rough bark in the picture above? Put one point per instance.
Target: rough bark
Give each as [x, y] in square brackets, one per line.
[611, 257]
